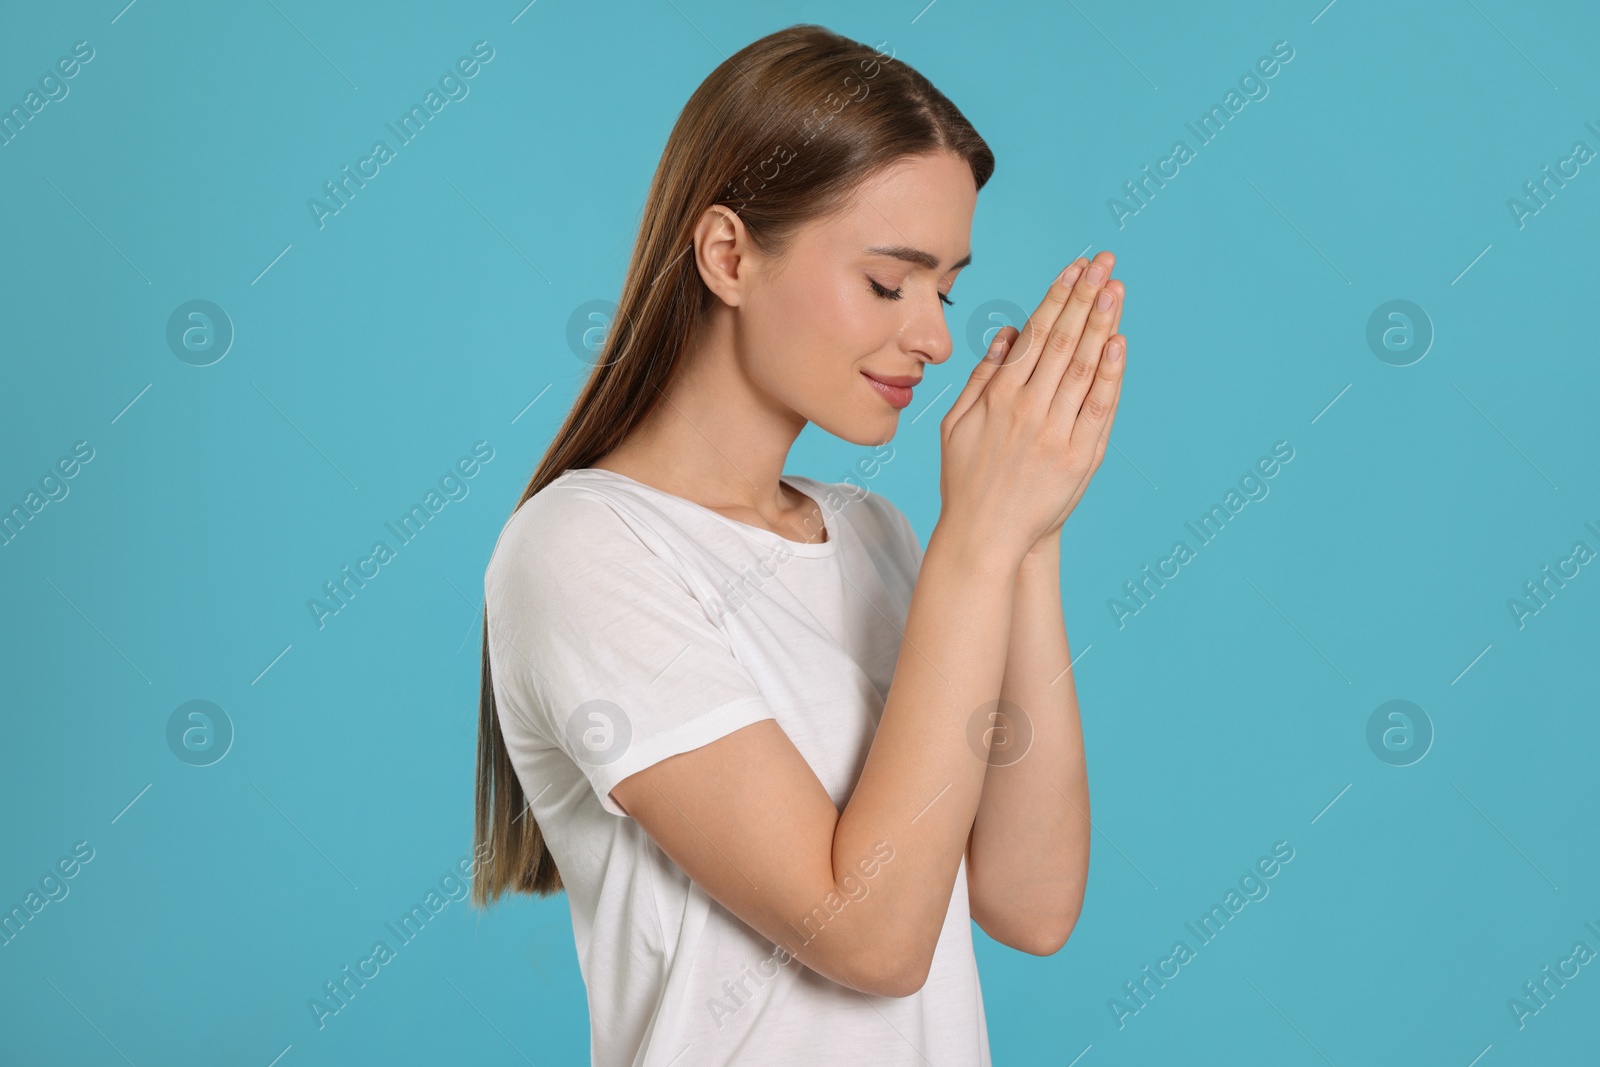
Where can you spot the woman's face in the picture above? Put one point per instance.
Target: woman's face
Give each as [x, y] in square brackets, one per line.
[859, 297]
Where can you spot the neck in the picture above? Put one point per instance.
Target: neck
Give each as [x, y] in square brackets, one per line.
[713, 438]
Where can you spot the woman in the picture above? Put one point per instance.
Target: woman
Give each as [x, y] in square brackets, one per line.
[770, 852]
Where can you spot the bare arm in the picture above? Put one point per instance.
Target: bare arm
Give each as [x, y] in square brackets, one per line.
[1028, 859]
[745, 816]
[747, 819]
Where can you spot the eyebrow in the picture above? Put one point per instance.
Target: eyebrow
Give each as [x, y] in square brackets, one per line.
[917, 256]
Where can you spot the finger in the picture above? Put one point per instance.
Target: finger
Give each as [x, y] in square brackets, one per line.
[1099, 454]
[1089, 355]
[983, 373]
[1094, 419]
[1057, 350]
[1105, 437]
[1024, 351]
[1116, 319]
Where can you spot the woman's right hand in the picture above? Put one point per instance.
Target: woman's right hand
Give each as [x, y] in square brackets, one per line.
[1028, 431]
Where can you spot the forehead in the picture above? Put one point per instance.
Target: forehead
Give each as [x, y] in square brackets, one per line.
[923, 202]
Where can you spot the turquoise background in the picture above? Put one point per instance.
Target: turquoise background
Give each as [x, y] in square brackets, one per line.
[369, 355]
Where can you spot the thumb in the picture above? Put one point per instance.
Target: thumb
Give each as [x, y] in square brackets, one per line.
[984, 372]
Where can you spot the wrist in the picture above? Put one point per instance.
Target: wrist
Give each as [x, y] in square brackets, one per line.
[1045, 552]
[972, 553]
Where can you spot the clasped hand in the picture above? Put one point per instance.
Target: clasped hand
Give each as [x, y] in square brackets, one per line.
[1029, 430]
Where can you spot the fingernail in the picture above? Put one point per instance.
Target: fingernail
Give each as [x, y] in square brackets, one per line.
[1103, 301]
[1070, 275]
[995, 349]
[1097, 273]
[1113, 351]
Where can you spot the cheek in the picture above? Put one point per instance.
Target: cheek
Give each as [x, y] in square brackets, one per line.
[819, 332]
[846, 314]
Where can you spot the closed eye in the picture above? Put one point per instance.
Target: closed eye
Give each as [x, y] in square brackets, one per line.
[896, 294]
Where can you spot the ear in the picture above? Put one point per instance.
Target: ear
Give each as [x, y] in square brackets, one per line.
[723, 253]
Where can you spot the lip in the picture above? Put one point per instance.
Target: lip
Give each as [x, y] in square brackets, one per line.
[895, 388]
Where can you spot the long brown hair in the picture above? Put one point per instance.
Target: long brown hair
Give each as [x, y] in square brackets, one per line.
[782, 132]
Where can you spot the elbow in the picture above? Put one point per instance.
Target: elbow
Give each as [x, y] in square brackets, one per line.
[1045, 939]
[901, 981]
[1050, 937]
[892, 972]
[1037, 919]
[1036, 935]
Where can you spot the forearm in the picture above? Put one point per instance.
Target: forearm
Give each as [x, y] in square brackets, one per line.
[1029, 856]
[920, 786]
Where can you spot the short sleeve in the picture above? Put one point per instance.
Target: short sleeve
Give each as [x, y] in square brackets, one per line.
[602, 647]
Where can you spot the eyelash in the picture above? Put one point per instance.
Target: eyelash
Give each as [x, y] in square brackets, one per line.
[894, 294]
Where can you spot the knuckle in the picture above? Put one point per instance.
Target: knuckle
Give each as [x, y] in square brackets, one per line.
[1096, 407]
[1080, 370]
[1060, 341]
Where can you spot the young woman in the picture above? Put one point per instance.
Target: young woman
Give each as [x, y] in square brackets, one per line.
[777, 756]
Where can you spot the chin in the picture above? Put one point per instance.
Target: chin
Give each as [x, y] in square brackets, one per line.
[859, 428]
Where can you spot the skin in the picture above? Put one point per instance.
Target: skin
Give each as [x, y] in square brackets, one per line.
[744, 816]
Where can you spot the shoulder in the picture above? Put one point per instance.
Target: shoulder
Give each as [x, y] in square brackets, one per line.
[567, 528]
[559, 517]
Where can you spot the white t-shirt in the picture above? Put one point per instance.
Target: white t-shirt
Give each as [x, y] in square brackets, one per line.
[626, 625]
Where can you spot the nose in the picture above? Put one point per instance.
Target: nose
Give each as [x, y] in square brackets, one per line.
[927, 334]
